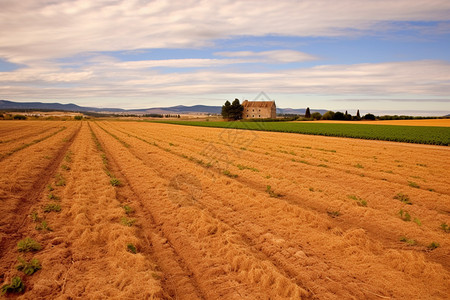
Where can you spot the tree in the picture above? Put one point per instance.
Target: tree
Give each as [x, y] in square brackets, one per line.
[236, 110]
[307, 113]
[226, 110]
[358, 116]
[339, 116]
[328, 115]
[316, 116]
[369, 117]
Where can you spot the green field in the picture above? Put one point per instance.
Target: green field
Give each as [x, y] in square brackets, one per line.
[406, 134]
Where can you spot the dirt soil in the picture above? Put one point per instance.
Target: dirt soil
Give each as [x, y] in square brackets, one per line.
[160, 211]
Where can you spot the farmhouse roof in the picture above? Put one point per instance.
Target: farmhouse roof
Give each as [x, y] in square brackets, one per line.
[247, 103]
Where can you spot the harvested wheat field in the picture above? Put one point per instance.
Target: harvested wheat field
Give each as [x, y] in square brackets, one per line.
[134, 210]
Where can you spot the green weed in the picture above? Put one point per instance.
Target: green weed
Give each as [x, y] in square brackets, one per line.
[51, 196]
[28, 245]
[60, 181]
[16, 286]
[445, 227]
[43, 226]
[52, 207]
[131, 248]
[404, 215]
[128, 209]
[408, 241]
[433, 245]
[242, 167]
[272, 193]
[29, 268]
[403, 198]
[417, 221]
[413, 184]
[127, 222]
[229, 174]
[115, 182]
[359, 201]
[34, 216]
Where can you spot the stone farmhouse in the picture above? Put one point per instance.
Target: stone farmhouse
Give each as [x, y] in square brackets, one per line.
[259, 110]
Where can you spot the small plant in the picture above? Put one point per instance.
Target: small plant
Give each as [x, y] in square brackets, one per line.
[413, 184]
[323, 166]
[60, 181]
[359, 201]
[28, 245]
[131, 248]
[127, 222]
[272, 193]
[43, 226]
[128, 209]
[65, 167]
[34, 216]
[50, 188]
[404, 215]
[29, 268]
[433, 245]
[115, 182]
[242, 167]
[403, 198]
[417, 221]
[333, 213]
[359, 166]
[408, 241]
[52, 207]
[229, 174]
[51, 196]
[445, 227]
[16, 286]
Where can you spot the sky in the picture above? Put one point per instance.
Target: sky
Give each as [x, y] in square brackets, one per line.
[382, 57]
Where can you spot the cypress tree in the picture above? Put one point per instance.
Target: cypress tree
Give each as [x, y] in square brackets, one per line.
[226, 110]
[307, 113]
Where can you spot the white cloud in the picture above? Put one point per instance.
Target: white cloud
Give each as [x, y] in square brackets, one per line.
[121, 80]
[274, 56]
[34, 30]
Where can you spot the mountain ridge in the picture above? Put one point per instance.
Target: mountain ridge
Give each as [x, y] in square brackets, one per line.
[178, 109]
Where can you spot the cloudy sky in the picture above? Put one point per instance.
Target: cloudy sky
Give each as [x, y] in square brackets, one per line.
[378, 56]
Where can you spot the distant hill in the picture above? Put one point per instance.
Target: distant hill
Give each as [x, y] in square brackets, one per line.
[9, 105]
[179, 109]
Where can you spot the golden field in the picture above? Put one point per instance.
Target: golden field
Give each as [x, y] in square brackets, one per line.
[221, 213]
